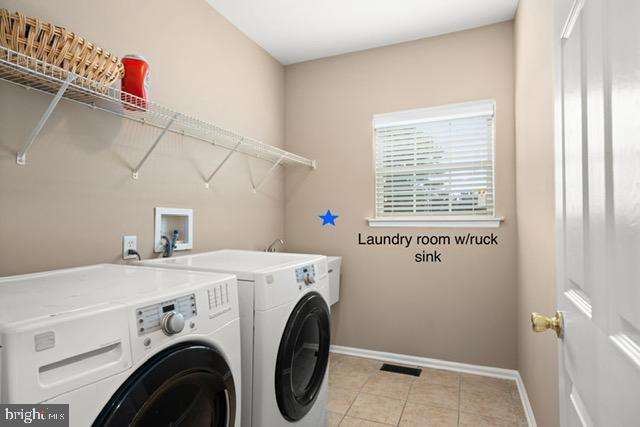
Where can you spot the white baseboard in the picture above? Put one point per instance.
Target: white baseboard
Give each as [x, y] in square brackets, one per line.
[528, 410]
[487, 371]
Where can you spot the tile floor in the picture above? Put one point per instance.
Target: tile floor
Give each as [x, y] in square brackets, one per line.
[361, 395]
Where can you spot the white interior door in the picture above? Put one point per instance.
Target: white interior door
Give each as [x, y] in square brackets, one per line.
[598, 184]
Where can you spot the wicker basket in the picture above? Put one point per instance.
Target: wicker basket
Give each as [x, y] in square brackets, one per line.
[59, 47]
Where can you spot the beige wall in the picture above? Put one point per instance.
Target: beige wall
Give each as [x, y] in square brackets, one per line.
[537, 354]
[461, 310]
[75, 199]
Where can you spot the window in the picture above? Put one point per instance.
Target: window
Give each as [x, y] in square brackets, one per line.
[435, 166]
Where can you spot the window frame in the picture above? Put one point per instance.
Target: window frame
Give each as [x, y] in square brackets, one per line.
[436, 113]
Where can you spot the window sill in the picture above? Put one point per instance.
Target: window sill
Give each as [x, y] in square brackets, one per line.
[437, 222]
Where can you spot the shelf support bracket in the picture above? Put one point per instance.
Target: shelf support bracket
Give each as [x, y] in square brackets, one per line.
[153, 147]
[21, 158]
[233, 150]
[266, 175]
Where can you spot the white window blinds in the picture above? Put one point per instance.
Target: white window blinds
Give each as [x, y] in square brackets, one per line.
[435, 161]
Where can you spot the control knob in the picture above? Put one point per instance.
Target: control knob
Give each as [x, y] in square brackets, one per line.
[172, 323]
[308, 279]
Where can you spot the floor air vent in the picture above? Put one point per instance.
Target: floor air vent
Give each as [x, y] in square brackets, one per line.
[401, 370]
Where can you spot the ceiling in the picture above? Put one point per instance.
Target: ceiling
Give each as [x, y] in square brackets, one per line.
[299, 30]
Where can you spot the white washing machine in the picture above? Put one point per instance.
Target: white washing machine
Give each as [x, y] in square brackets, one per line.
[285, 328]
[123, 345]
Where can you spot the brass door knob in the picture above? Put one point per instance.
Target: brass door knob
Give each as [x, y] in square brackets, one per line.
[540, 323]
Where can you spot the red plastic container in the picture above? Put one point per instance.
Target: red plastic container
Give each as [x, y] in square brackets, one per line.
[135, 82]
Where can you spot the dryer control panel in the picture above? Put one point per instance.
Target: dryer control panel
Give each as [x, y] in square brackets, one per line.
[168, 316]
[306, 274]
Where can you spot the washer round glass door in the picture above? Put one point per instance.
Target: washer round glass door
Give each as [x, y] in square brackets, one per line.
[188, 385]
[303, 356]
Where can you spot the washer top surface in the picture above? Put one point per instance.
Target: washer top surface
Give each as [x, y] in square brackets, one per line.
[40, 295]
[245, 264]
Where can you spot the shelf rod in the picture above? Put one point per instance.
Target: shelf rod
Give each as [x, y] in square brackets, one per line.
[266, 175]
[153, 147]
[21, 158]
[233, 150]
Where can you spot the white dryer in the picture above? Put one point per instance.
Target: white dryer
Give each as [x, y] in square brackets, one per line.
[123, 345]
[285, 328]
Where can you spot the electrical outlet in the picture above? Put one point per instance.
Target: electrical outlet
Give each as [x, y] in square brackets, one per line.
[129, 242]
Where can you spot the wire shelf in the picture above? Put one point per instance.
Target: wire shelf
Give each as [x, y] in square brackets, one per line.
[32, 73]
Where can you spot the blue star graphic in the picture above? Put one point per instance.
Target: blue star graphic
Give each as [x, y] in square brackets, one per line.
[328, 218]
